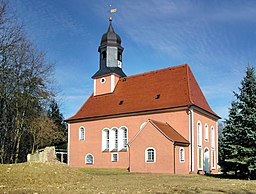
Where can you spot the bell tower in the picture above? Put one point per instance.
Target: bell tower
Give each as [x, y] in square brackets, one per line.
[110, 68]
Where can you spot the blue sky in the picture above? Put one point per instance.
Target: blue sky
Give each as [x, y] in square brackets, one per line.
[217, 38]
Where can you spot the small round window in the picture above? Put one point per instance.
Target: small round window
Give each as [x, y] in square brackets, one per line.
[102, 80]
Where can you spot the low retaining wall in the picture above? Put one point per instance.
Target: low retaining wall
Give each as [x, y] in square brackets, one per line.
[43, 155]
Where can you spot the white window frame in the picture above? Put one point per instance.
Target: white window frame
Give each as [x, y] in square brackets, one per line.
[206, 132]
[122, 140]
[202, 158]
[105, 140]
[212, 137]
[112, 157]
[199, 134]
[112, 139]
[146, 155]
[87, 155]
[182, 154]
[80, 133]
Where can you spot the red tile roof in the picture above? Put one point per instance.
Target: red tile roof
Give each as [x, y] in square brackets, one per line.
[175, 87]
[170, 132]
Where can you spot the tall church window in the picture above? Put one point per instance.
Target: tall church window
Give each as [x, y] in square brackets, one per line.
[105, 140]
[122, 139]
[113, 139]
[213, 147]
[206, 132]
[116, 139]
[199, 146]
[199, 134]
[212, 137]
[81, 133]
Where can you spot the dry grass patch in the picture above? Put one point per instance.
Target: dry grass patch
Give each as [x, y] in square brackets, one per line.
[60, 178]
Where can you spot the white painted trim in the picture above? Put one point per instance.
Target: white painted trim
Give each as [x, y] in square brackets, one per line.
[68, 144]
[209, 155]
[112, 158]
[212, 137]
[192, 139]
[184, 155]
[112, 79]
[122, 139]
[94, 87]
[79, 133]
[199, 138]
[86, 157]
[104, 138]
[146, 155]
[112, 138]
[206, 139]
[202, 159]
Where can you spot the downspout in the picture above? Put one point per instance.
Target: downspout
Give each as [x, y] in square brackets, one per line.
[129, 165]
[174, 166]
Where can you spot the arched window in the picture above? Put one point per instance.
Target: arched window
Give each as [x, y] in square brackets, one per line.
[116, 139]
[212, 138]
[182, 154]
[81, 134]
[113, 139]
[150, 155]
[105, 140]
[89, 159]
[199, 146]
[199, 133]
[122, 138]
[206, 132]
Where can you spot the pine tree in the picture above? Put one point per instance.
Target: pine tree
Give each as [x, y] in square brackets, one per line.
[239, 135]
[56, 116]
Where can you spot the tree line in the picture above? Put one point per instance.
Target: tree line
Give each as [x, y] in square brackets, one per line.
[29, 114]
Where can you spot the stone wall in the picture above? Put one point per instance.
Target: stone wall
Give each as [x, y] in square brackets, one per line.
[43, 155]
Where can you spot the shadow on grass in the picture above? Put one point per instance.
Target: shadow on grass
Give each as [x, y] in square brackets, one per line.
[228, 176]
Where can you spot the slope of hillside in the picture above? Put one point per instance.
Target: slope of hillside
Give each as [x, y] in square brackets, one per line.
[60, 178]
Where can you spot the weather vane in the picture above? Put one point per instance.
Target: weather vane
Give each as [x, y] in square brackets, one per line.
[111, 11]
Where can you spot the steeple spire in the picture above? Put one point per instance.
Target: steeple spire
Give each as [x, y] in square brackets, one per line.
[110, 50]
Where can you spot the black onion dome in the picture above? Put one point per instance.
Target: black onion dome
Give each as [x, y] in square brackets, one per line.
[110, 37]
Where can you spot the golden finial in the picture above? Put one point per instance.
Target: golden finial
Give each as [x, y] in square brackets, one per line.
[111, 11]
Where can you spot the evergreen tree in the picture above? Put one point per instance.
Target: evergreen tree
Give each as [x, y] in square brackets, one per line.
[56, 116]
[239, 135]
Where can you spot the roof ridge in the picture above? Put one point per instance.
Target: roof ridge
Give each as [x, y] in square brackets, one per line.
[155, 71]
[189, 89]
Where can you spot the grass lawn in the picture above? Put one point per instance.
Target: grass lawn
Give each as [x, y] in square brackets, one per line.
[60, 178]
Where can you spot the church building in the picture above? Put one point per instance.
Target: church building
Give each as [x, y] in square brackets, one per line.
[154, 122]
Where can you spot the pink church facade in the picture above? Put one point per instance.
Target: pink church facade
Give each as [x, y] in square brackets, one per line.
[155, 122]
